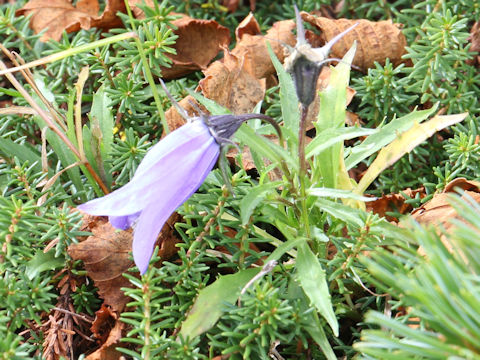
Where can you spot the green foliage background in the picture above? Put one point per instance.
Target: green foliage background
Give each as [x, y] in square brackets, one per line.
[33, 215]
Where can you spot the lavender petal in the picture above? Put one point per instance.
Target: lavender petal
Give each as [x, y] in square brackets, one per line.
[186, 180]
[123, 222]
[162, 168]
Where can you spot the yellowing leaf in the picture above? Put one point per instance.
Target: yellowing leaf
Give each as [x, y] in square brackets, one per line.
[405, 143]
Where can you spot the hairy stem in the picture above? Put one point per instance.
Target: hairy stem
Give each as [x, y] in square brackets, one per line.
[303, 169]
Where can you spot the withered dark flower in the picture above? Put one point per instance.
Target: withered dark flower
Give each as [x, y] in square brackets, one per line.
[304, 62]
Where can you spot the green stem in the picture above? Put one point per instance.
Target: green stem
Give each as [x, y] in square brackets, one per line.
[147, 72]
[303, 169]
[146, 315]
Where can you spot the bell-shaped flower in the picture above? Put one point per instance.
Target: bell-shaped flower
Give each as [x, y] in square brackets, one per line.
[170, 173]
[304, 62]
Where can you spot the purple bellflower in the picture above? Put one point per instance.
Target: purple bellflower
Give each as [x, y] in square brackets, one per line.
[170, 173]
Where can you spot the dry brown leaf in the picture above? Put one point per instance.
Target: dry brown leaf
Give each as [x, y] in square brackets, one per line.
[249, 25]
[376, 41]
[238, 81]
[174, 119]
[474, 38]
[255, 47]
[232, 84]
[58, 15]
[394, 202]
[105, 317]
[232, 5]
[198, 42]
[106, 256]
[107, 328]
[229, 83]
[438, 211]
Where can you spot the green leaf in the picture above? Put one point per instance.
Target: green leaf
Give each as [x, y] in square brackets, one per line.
[263, 146]
[333, 103]
[254, 197]
[99, 145]
[288, 101]
[310, 320]
[42, 262]
[329, 137]
[313, 281]
[338, 193]
[355, 217]
[23, 152]
[385, 135]
[285, 247]
[208, 306]
[211, 105]
[101, 117]
[62, 151]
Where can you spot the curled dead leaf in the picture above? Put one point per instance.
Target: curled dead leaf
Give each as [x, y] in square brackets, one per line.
[438, 211]
[249, 25]
[376, 40]
[254, 47]
[238, 80]
[232, 5]
[232, 84]
[394, 203]
[474, 39]
[107, 328]
[56, 16]
[106, 256]
[198, 42]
